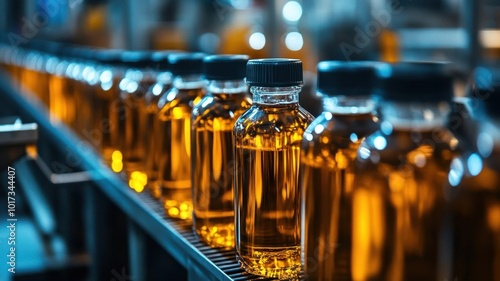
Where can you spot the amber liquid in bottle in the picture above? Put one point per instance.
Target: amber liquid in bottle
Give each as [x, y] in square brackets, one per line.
[327, 169]
[104, 117]
[151, 162]
[62, 107]
[136, 132]
[174, 142]
[476, 213]
[213, 162]
[268, 139]
[83, 93]
[29, 74]
[398, 203]
[34, 78]
[74, 79]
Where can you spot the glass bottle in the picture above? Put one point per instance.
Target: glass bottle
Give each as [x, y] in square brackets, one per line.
[16, 57]
[60, 100]
[476, 201]
[84, 86]
[29, 75]
[77, 61]
[49, 53]
[212, 156]
[106, 111]
[139, 76]
[400, 192]
[34, 81]
[267, 150]
[162, 84]
[327, 164]
[174, 133]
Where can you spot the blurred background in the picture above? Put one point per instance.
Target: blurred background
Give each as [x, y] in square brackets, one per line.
[312, 30]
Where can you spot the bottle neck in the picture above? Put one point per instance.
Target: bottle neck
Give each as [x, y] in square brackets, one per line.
[189, 82]
[164, 77]
[89, 74]
[139, 75]
[276, 95]
[348, 105]
[415, 116]
[227, 86]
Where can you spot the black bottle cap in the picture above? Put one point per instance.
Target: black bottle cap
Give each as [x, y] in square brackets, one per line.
[79, 53]
[225, 67]
[53, 48]
[154, 60]
[137, 59]
[108, 56]
[186, 63]
[487, 89]
[276, 72]
[416, 82]
[160, 59]
[347, 78]
[123, 58]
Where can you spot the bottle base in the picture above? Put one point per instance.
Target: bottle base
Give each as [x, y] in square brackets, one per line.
[281, 263]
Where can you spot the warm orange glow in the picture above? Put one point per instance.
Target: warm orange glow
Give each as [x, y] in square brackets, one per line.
[138, 181]
[494, 218]
[116, 156]
[389, 46]
[173, 212]
[186, 210]
[117, 167]
[368, 234]
[177, 113]
[116, 161]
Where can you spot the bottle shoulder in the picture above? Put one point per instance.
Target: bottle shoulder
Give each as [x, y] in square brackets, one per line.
[331, 138]
[221, 106]
[174, 98]
[342, 126]
[155, 92]
[182, 96]
[290, 116]
[408, 138]
[407, 146]
[271, 128]
[487, 181]
[474, 173]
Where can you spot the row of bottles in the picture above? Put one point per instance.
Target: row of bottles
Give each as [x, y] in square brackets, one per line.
[405, 201]
[375, 188]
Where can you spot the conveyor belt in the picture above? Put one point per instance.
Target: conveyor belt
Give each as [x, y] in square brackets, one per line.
[224, 260]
